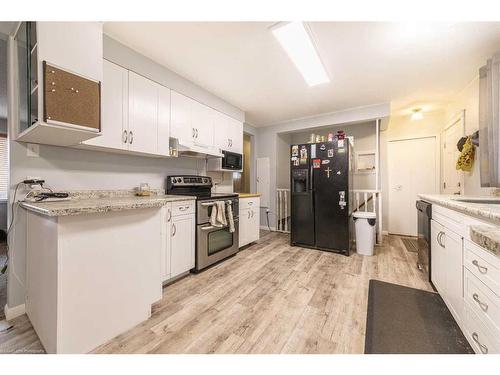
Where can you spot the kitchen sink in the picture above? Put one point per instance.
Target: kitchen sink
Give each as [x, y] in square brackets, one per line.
[478, 200]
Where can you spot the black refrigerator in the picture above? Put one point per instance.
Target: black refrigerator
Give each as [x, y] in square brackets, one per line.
[321, 179]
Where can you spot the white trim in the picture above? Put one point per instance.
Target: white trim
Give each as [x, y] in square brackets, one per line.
[14, 312]
[385, 233]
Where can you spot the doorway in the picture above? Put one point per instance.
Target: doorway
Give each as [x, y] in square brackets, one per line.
[413, 168]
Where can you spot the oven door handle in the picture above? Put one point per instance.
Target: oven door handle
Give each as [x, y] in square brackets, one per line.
[210, 227]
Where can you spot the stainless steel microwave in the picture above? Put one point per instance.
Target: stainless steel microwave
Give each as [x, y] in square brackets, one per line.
[230, 162]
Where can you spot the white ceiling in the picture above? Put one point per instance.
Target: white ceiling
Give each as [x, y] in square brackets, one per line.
[368, 63]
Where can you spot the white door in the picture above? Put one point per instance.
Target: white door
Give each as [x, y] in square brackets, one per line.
[413, 166]
[166, 213]
[452, 263]
[114, 107]
[182, 244]
[244, 225]
[452, 179]
[263, 180]
[437, 257]
[163, 137]
[143, 114]
[254, 224]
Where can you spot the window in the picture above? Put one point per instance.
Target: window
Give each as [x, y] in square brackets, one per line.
[4, 166]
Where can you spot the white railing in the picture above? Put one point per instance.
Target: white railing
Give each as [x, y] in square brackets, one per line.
[282, 210]
[369, 201]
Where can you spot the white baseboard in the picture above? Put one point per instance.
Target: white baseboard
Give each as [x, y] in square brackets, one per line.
[385, 233]
[14, 312]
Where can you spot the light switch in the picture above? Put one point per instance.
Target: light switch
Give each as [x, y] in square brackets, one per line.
[33, 150]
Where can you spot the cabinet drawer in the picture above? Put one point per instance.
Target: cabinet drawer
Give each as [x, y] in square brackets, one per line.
[482, 300]
[183, 208]
[249, 203]
[480, 337]
[482, 265]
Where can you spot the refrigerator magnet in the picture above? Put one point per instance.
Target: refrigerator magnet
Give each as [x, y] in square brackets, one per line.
[316, 163]
[295, 150]
[330, 153]
[340, 143]
[326, 161]
[322, 147]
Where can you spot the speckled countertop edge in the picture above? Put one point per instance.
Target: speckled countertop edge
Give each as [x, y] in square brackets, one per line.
[487, 237]
[101, 201]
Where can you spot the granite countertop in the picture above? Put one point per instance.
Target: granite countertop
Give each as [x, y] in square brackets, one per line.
[487, 237]
[249, 195]
[490, 212]
[99, 201]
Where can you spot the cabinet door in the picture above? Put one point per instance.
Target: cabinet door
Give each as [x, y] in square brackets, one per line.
[202, 124]
[437, 255]
[163, 137]
[236, 139]
[114, 108]
[254, 225]
[452, 263]
[244, 226]
[180, 117]
[143, 114]
[182, 244]
[165, 236]
[221, 131]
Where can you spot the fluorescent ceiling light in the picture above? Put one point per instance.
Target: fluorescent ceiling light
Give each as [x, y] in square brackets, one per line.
[299, 46]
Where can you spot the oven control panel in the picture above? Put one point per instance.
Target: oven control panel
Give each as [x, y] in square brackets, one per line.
[190, 181]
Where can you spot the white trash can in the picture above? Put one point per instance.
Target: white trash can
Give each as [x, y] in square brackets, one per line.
[364, 223]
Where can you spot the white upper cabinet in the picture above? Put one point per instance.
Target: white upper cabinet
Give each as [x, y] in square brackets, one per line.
[228, 133]
[180, 117]
[143, 114]
[114, 108]
[163, 138]
[202, 123]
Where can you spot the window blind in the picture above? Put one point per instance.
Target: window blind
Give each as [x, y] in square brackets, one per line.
[4, 167]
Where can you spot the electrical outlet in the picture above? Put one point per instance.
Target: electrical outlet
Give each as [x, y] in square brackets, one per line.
[33, 150]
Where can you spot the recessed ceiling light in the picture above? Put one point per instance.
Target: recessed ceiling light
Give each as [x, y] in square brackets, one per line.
[417, 114]
[298, 44]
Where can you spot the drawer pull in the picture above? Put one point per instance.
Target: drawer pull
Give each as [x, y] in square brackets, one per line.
[482, 305]
[481, 269]
[183, 208]
[169, 215]
[484, 348]
[174, 229]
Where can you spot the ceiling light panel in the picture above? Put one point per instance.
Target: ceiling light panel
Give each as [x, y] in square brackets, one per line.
[297, 42]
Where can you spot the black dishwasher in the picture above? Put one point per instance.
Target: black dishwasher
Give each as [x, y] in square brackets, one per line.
[424, 212]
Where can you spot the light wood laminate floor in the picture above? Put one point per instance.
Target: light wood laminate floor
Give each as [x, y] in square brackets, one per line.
[269, 298]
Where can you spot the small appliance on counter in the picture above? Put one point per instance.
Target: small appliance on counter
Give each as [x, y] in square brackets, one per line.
[213, 243]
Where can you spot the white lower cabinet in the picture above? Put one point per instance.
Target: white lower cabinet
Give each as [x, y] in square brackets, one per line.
[178, 253]
[249, 223]
[467, 277]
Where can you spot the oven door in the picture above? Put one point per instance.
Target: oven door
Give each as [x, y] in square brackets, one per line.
[215, 244]
[232, 161]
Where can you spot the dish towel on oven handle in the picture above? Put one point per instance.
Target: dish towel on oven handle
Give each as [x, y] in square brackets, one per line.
[230, 217]
[218, 215]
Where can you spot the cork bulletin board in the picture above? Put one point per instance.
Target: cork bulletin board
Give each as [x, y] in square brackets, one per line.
[70, 98]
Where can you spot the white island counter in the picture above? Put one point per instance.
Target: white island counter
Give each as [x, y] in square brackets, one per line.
[93, 267]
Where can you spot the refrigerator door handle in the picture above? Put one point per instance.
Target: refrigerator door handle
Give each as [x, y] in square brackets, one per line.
[311, 185]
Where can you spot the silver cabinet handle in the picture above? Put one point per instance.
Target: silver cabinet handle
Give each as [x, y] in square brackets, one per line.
[252, 213]
[482, 305]
[174, 229]
[183, 208]
[481, 269]
[250, 203]
[249, 214]
[169, 217]
[440, 236]
[484, 348]
[125, 136]
[131, 139]
[197, 133]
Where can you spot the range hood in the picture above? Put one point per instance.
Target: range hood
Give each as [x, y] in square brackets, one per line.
[194, 151]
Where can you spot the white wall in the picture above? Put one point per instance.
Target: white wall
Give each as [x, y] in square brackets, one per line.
[69, 169]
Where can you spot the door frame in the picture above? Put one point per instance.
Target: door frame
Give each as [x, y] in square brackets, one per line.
[460, 116]
[437, 141]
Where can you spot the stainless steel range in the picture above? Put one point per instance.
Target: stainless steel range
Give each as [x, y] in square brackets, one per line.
[213, 244]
